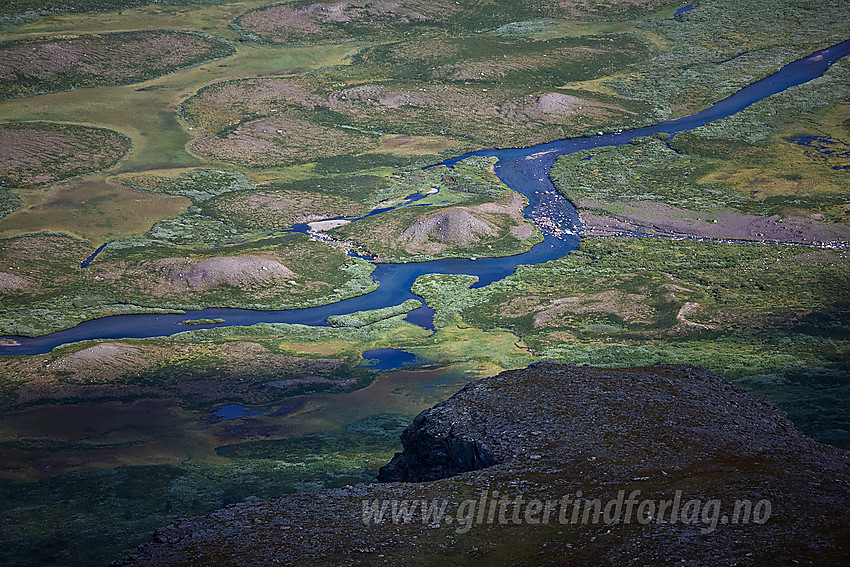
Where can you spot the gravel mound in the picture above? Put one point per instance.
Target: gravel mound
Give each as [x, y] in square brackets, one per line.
[449, 228]
[11, 282]
[228, 270]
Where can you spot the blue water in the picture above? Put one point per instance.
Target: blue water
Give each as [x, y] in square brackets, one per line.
[682, 10]
[387, 358]
[236, 411]
[821, 144]
[85, 263]
[523, 169]
[424, 317]
[304, 228]
[736, 56]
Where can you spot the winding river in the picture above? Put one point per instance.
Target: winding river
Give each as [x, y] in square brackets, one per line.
[524, 170]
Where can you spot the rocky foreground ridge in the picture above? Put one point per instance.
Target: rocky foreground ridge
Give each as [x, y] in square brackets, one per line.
[506, 449]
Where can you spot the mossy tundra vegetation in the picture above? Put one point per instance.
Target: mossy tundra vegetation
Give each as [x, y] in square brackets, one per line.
[192, 135]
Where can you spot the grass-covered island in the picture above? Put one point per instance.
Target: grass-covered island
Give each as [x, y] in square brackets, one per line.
[199, 322]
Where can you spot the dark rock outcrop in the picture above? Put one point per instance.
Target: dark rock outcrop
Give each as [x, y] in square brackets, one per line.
[549, 431]
[432, 450]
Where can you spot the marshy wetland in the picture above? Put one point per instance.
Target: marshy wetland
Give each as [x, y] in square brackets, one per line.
[194, 168]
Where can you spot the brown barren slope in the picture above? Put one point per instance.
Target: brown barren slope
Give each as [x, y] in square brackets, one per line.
[36, 153]
[38, 66]
[305, 22]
